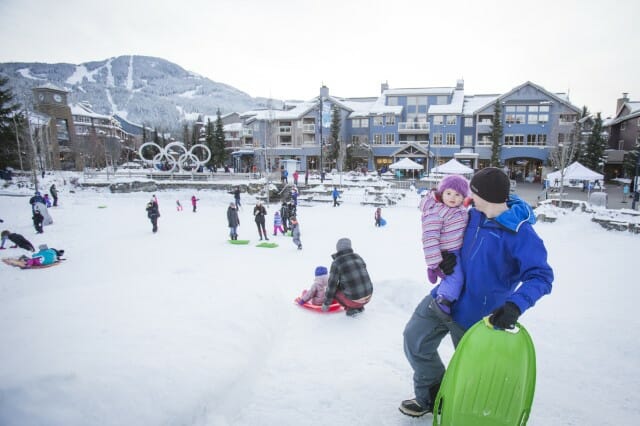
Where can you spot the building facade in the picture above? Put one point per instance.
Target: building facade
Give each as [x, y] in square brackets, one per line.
[427, 125]
[624, 134]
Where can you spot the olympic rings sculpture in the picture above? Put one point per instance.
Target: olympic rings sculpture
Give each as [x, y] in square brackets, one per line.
[175, 155]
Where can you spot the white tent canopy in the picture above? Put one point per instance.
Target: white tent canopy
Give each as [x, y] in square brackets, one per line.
[406, 164]
[452, 167]
[575, 171]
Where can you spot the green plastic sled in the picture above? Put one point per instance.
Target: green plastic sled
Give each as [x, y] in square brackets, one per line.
[267, 245]
[490, 380]
[239, 242]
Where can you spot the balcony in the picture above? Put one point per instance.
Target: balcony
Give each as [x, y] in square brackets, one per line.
[412, 127]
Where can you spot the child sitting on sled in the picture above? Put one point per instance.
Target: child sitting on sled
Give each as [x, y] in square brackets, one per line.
[43, 257]
[315, 294]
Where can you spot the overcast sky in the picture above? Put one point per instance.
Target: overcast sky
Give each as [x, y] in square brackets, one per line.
[286, 49]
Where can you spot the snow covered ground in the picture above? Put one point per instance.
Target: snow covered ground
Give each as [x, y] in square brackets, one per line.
[182, 328]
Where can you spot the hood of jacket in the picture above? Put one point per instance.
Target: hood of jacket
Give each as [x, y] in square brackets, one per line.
[518, 212]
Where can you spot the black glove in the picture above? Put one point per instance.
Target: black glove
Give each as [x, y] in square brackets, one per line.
[449, 261]
[505, 316]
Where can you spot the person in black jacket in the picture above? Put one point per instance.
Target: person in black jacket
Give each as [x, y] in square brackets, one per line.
[260, 213]
[349, 281]
[284, 214]
[234, 221]
[18, 241]
[153, 213]
[38, 220]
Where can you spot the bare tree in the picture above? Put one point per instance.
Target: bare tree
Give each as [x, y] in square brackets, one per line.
[564, 154]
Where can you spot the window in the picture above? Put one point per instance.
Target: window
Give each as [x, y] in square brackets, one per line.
[377, 121]
[514, 140]
[451, 138]
[468, 122]
[638, 122]
[484, 139]
[468, 140]
[364, 123]
[377, 139]
[442, 100]
[623, 126]
[543, 118]
[515, 119]
[567, 118]
[355, 124]
[437, 119]
[412, 100]
[437, 138]
[355, 139]
[544, 108]
[534, 108]
[451, 120]
[391, 119]
[485, 119]
[533, 139]
[392, 100]
[390, 138]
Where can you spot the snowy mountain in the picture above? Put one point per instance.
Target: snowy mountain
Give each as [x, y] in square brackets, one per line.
[141, 88]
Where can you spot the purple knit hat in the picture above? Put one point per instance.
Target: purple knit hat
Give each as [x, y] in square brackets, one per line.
[455, 182]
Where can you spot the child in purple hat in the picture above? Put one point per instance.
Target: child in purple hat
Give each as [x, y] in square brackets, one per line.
[444, 219]
[315, 295]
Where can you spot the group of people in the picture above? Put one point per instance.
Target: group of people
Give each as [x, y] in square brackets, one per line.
[44, 256]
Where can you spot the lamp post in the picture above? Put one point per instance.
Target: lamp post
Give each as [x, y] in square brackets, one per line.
[321, 141]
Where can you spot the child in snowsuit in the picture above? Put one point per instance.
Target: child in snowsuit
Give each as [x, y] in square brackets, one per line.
[178, 206]
[47, 200]
[17, 239]
[194, 202]
[444, 219]
[260, 213]
[233, 220]
[335, 194]
[153, 213]
[38, 219]
[277, 223]
[44, 256]
[378, 216]
[295, 232]
[315, 294]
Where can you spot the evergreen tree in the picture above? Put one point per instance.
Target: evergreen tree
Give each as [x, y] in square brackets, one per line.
[333, 152]
[185, 135]
[208, 140]
[496, 135]
[9, 120]
[593, 157]
[219, 153]
[577, 134]
[631, 160]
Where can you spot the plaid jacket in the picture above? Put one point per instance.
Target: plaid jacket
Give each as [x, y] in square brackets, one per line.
[349, 274]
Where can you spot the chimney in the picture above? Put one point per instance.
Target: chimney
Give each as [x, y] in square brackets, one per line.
[622, 101]
[324, 92]
[460, 84]
[384, 86]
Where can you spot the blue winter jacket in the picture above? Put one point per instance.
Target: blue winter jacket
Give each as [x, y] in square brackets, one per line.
[503, 260]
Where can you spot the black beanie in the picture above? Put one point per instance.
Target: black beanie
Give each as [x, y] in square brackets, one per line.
[491, 184]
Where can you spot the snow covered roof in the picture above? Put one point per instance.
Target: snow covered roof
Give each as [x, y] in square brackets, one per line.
[233, 127]
[474, 103]
[455, 107]
[561, 97]
[52, 86]
[278, 114]
[376, 107]
[85, 110]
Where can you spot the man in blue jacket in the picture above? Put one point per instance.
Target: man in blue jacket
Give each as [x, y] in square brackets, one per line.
[506, 272]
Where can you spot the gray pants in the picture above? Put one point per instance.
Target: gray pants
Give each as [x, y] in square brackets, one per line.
[422, 336]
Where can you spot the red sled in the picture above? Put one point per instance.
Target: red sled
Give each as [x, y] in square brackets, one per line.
[334, 307]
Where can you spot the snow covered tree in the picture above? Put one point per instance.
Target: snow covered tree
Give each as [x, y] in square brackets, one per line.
[593, 156]
[631, 160]
[219, 153]
[9, 153]
[496, 135]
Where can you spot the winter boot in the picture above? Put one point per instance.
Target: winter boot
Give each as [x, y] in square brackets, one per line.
[412, 408]
[352, 312]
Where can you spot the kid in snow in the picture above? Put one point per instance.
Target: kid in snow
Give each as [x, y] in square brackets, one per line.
[44, 256]
[295, 232]
[178, 206]
[444, 219]
[378, 216]
[233, 220]
[505, 273]
[194, 202]
[153, 213]
[17, 239]
[277, 223]
[38, 219]
[315, 294]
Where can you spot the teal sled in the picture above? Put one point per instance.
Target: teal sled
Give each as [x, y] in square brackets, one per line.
[490, 380]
